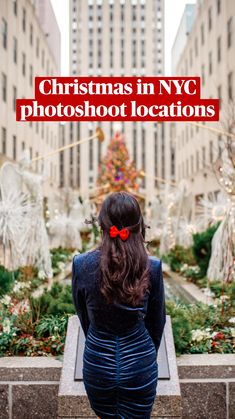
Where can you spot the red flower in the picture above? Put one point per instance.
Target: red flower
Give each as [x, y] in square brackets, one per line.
[214, 344]
[219, 336]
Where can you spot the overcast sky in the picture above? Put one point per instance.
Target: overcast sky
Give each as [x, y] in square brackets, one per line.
[173, 12]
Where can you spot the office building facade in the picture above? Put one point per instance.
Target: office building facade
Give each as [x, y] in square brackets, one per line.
[26, 53]
[116, 38]
[209, 53]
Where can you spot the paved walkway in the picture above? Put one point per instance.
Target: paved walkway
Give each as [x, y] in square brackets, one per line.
[189, 292]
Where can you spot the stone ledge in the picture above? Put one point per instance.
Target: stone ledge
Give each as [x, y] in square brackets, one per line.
[29, 369]
[206, 366]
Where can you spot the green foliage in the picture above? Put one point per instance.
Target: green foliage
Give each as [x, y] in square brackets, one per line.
[56, 301]
[180, 324]
[219, 288]
[178, 256]
[7, 279]
[7, 332]
[19, 335]
[202, 248]
[199, 328]
[52, 326]
[59, 257]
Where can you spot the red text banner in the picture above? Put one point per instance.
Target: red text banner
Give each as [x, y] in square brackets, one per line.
[117, 99]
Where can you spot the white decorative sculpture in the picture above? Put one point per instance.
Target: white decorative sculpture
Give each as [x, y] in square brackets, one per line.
[65, 228]
[222, 261]
[23, 187]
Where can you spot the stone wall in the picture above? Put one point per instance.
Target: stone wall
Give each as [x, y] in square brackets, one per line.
[207, 384]
[29, 387]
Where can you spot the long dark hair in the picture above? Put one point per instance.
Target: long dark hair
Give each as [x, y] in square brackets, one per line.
[123, 264]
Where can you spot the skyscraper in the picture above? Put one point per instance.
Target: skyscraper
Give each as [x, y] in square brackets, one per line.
[25, 52]
[116, 38]
[209, 53]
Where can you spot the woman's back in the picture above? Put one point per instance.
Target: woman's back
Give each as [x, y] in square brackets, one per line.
[118, 293]
[114, 318]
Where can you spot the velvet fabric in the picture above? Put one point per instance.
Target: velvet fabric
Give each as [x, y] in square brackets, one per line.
[120, 369]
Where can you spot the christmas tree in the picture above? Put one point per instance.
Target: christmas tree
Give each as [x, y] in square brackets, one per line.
[117, 172]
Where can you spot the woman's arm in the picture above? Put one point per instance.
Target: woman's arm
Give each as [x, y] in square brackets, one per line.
[155, 318]
[79, 299]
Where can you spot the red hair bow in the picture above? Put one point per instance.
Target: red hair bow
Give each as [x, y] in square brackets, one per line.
[114, 232]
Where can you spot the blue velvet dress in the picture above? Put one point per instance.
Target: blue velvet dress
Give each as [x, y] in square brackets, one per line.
[120, 369]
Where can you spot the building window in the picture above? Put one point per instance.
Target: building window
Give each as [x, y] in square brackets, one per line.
[15, 50]
[229, 32]
[4, 140]
[4, 33]
[23, 63]
[192, 164]
[230, 86]
[43, 58]
[220, 95]
[218, 6]
[99, 54]
[219, 49]
[135, 143]
[78, 158]
[31, 35]
[155, 157]
[196, 47]
[14, 152]
[37, 48]
[134, 54]
[197, 160]
[187, 168]
[122, 59]
[15, 8]
[99, 154]
[172, 162]
[91, 153]
[31, 75]
[210, 19]
[211, 152]
[203, 74]
[24, 20]
[61, 170]
[203, 157]
[14, 98]
[202, 35]
[220, 148]
[191, 57]
[143, 160]
[210, 62]
[4, 87]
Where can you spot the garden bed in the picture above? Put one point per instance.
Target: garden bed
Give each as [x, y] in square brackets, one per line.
[34, 314]
[34, 310]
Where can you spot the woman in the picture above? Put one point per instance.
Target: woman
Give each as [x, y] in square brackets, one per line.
[118, 293]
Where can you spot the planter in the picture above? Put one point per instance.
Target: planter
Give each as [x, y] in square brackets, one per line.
[29, 387]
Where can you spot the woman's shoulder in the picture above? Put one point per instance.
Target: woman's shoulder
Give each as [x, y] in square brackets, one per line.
[154, 262]
[86, 259]
[155, 270]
